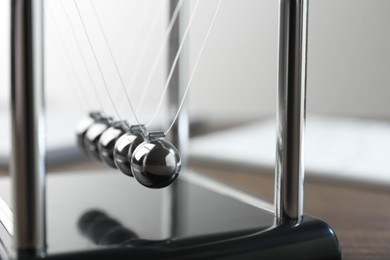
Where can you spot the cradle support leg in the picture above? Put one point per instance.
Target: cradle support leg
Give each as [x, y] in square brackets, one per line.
[291, 109]
[179, 134]
[28, 146]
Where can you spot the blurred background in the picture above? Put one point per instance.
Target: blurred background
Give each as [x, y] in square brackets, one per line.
[232, 98]
[235, 82]
[348, 57]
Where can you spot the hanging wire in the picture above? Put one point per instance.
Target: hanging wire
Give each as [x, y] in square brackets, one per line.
[174, 63]
[114, 60]
[159, 54]
[99, 67]
[145, 47]
[140, 20]
[195, 67]
[82, 55]
[172, 68]
[134, 35]
[64, 54]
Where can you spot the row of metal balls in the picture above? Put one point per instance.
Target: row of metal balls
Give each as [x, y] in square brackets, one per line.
[149, 158]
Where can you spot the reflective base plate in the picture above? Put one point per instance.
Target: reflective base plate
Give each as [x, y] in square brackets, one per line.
[208, 220]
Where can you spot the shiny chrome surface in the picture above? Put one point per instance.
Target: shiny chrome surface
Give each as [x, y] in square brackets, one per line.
[209, 212]
[174, 208]
[179, 133]
[28, 132]
[156, 163]
[107, 142]
[125, 147]
[291, 109]
[222, 189]
[83, 127]
[93, 135]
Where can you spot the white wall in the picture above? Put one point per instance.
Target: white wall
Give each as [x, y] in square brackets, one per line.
[237, 72]
[4, 53]
[348, 60]
[348, 57]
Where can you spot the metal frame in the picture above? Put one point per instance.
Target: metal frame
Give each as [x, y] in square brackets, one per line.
[28, 156]
[176, 194]
[291, 109]
[28, 131]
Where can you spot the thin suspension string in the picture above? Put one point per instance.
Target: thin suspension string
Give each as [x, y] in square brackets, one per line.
[113, 58]
[134, 35]
[64, 54]
[159, 54]
[195, 67]
[174, 63]
[141, 21]
[82, 56]
[69, 73]
[145, 47]
[98, 64]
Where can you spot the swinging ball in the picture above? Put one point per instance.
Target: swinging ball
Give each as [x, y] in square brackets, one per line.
[93, 135]
[125, 146]
[83, 127]
[156, 163]
[108, 139]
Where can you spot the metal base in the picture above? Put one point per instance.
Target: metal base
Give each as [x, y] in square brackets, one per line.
[311, 239]
[218, 223]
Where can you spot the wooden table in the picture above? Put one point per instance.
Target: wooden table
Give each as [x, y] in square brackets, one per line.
[360, 215]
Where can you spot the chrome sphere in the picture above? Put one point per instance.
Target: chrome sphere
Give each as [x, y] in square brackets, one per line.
[83, 127]
[107, 142]
[156, 163]
[125, 146]
[93, 135]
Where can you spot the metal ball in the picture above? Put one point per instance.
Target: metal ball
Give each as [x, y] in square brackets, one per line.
[125, 146]
[107, 142]
[83, 127]
[93, 135]
[156, 163]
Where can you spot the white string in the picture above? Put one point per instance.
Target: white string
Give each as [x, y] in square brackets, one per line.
[145, 47]
[172, 68]
[98, 64]
[135, 34]
[64, 54]
[82, 56]
[194, 69]
[141, 19]
[115, 65]
[174, 63]
[159, 54]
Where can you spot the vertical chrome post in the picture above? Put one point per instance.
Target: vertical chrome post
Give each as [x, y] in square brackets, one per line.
[176, 193]
[291, 109]
[28, 146]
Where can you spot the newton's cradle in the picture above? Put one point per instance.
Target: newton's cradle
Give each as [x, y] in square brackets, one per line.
[179, 214]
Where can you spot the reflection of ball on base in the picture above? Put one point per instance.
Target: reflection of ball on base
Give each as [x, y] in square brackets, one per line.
[155, 163]
[125, 147]
[107, 142]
